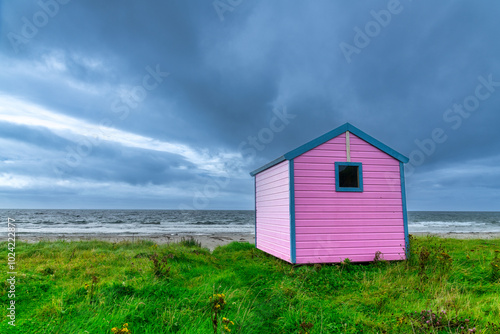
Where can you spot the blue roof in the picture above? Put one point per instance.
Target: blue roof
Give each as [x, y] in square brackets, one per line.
[328, 136]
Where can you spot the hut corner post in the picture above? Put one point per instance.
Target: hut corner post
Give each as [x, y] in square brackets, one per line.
[255, 207]
[405, 214]
[292, 213]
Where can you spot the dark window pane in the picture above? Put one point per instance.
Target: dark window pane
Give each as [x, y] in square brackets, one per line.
[348, 177]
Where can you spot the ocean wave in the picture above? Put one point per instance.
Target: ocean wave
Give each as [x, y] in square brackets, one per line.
[44, 222]
[114, 222]
[77, 222]
[208, 222]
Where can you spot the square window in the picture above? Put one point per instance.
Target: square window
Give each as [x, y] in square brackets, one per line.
[348, 176]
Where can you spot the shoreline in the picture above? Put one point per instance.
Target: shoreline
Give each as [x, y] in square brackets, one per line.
[210, 241]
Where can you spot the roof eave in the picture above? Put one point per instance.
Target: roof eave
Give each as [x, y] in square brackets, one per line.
[316, 142]
[381, 146]
[268, 165]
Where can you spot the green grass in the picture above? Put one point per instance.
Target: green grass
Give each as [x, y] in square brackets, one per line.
[261, 293]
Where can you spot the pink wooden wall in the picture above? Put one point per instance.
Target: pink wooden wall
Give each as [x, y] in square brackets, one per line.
[330, 225]
[272, 202]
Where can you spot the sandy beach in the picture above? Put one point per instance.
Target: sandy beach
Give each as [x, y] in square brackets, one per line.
[211, 241]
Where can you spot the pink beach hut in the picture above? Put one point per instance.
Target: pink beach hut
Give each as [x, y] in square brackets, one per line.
[341, 195]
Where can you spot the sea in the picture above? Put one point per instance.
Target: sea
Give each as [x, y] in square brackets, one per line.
[204, 222]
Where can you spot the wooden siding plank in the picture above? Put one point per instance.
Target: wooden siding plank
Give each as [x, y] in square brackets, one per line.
[342, 221]
[330, 201]
[275, 240]
[347, 252]
[281, 249]
[324, 192]
[353, 258]
[327, 244]
[380, 175]
[348, 223]
[327, 151]
[376, 164]
[348, 236]
[273, 197]
[379, 168]
[348, 208]
[319, 190]
[367, 179]
[348, 230]
[270, 210]
[270, 181]
[274, 231]
[272, 174]
[276, 194]
[325, 154]
[351, 214]
[275, 221]
[316, 160]
[320, 161]
[274, 202]
[303, 169]
[270, 250]
[314, 166]
[315, 173]
[313, 180]
[358, 154]
[273, 187]
[276, 168]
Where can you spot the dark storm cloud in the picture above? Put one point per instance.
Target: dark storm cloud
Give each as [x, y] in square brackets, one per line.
[106, 162]
[226, 79]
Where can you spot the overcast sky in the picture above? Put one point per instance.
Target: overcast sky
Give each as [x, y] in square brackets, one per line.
[170, 104]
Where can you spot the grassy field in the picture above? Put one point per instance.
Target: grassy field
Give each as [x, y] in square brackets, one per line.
[448, 286]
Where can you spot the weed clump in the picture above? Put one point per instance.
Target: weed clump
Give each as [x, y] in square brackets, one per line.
[428, 321]
[161, 269]
[423, 260]
[190, 242]
[495, 267]
[217, 303]
[379, 260]
[48, 271]
[91, 289]
[305, 327]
